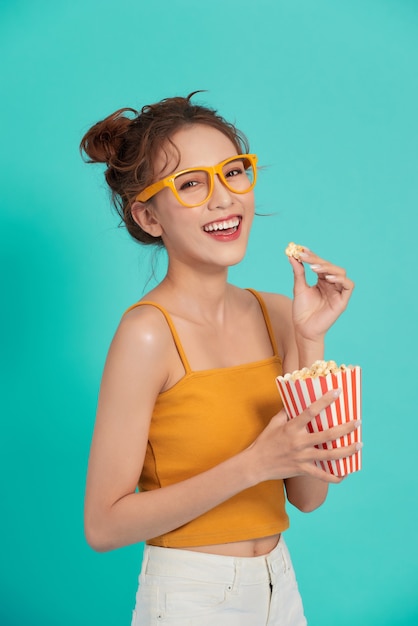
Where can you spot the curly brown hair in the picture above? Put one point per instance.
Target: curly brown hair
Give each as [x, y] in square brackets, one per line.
[129, 140]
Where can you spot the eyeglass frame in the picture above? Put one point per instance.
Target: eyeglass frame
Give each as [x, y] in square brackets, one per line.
[168, 181]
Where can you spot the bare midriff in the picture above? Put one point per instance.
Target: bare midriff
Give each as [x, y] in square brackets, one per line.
[249, 548]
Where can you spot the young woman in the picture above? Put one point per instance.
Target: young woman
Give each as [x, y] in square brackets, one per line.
[188, 408]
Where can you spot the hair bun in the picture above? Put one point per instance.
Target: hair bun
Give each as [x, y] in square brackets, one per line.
[102, 143]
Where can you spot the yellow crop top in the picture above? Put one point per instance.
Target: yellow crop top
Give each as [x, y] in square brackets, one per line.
[205, 418]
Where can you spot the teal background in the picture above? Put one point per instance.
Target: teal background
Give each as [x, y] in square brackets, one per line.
[327, 93]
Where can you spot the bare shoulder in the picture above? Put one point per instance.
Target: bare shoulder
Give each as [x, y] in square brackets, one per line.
[142, 343]
[146, 325]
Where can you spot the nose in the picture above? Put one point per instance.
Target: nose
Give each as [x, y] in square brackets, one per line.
[221, 197]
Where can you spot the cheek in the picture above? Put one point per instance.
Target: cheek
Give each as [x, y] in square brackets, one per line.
[249, 203]
[177, 227]
[249, 199]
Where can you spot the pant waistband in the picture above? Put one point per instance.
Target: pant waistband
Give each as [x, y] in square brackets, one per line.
[203, 567]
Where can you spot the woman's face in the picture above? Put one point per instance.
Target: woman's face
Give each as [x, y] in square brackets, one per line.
[216, 232]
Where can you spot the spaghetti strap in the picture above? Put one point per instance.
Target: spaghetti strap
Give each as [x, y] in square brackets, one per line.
[169, 321]
[266, 319]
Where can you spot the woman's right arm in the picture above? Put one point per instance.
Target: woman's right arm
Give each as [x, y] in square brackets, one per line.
[115, 513]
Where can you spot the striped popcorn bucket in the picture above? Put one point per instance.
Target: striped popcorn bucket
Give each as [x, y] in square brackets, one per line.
[298, 394]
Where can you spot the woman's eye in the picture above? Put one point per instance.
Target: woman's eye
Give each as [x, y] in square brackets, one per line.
[188, 185]
[236, 171]
[191, 181]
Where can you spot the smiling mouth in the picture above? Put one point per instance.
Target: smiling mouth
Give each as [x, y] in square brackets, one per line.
[224, 226]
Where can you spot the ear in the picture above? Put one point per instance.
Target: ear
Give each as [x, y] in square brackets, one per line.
[144, 217]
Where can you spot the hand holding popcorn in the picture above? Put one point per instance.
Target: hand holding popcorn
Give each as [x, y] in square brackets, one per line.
[302, 387]
[288, 448]
[317, 307]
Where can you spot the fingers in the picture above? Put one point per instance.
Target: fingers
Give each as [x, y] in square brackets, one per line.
[299, 275]
[324, 456]
[326, 271]
[331, 443]
[332, 434]
[317, 406]
[335, 434]
[336, 454]
[287, 447]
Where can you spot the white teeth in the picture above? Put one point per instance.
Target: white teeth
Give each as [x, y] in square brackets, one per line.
[232, 223]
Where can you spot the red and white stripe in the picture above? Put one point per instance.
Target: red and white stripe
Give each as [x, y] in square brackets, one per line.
[297, 395]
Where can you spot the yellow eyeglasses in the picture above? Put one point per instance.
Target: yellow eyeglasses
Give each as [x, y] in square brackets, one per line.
[194, 186]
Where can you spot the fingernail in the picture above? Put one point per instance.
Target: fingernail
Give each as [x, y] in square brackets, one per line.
[330, 277]
[315, 267]
[336, 393]
[358, 423]
[359, 445]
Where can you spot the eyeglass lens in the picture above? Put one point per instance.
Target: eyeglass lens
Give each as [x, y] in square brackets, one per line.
[194, 187]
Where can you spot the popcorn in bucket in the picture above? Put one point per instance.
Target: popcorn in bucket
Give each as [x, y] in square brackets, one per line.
[299, 389]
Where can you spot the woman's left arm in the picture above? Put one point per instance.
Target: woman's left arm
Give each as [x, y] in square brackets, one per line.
[306, 320]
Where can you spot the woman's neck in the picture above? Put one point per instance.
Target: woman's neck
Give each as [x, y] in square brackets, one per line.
[204, 296]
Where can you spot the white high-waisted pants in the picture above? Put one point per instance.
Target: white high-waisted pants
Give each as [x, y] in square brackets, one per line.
[187, 588]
